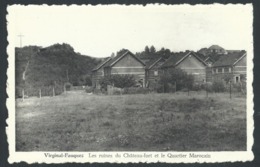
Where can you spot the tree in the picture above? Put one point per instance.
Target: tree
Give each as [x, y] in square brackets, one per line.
[146, 49]
[218, 86]
[113, 55]
[123, 81]
[121, 51]
[162, 49]
[152, 49]
[178, 76]
[104, 81]
[88, 81]
[227, 78]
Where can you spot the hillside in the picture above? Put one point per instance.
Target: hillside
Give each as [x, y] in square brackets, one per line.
[51, 66]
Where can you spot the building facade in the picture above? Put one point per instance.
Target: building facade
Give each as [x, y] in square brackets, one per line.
[188, 62]
[125, 63]
[98, 73]
[147, 73]
[231, 67]
[154, 71]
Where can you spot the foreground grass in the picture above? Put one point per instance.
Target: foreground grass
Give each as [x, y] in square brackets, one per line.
[152, 122]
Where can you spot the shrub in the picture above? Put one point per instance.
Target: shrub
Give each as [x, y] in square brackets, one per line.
[208, 87]
[123, 81]
[88, 89]
[159, 88]
[197, 87]
[136, 90]
[104, 81]
[239, 87]
[178, 76]
[227, 78]
[68, 86]
[120, 81]
[218, 86]
[97, 91]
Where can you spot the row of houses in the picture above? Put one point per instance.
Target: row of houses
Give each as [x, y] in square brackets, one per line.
[148, 72]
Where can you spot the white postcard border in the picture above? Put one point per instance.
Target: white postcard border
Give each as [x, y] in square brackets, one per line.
[167, 157]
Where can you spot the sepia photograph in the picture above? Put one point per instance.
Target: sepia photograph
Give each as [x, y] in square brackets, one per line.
[117, 83]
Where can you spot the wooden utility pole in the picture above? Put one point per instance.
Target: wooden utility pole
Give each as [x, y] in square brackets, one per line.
[20, 36]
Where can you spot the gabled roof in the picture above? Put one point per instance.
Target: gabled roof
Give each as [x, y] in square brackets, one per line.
[201, 56]
[103, 63]
[119, 56]
[174, 59]
[177, 58]
[229, 59]
[209, 60]
[153, 62]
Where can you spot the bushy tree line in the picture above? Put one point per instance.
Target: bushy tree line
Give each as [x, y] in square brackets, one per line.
[120, 81]
[151, 52]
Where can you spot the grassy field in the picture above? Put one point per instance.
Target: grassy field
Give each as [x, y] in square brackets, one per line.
[153, 122]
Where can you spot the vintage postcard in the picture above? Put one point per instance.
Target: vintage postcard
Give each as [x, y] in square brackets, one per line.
[120, 84]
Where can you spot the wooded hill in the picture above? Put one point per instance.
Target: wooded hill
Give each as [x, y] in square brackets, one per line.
[55, 65]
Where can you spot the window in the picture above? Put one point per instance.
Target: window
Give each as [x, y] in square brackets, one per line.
[226, 70]
[156, 73]
[219, 70]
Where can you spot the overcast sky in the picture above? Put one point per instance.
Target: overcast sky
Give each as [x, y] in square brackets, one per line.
[100, 30]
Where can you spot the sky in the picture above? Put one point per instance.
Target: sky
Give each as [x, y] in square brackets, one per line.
[100, 30]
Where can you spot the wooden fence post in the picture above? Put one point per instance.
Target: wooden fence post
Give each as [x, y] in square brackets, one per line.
[230, 91]
[207, 94]
[23, 94]
[40, 93]
[175, 87]
[64, 87]
[53, 92]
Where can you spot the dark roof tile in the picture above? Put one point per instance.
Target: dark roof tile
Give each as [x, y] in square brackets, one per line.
[152, 62]
[174, 59]
[101, 64]
[229, 59]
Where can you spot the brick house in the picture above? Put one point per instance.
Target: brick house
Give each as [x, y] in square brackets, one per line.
[153, 71]
[98, 73]
[232, 66]
[217, 49]
[126, 63]
[189, 62]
